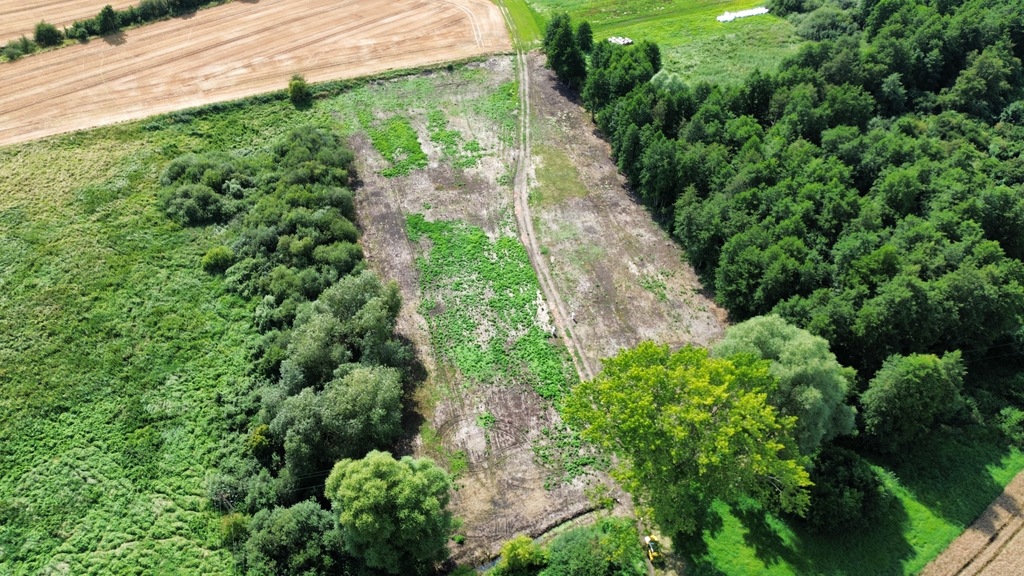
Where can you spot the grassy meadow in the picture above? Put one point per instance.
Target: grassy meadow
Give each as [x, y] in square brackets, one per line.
[693, 44]
[116, 351]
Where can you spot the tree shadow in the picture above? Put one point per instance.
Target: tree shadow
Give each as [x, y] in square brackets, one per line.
[415, 375]
[116, 39]
[948, 472]
[882, 548]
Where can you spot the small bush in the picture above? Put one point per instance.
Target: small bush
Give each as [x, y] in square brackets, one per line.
[234, 529]
[107, 21]
[11, 52]
[196, 205]
[48, 35]
[299, 92]
[218, 259]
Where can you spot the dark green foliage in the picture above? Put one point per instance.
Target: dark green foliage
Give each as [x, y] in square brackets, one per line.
[565, 53]
[48, 35]
[350, 416]
[196, 205]
[393, 512]
[299, 92]
[847, 494]
[300, 540]
[17, 48]
[792, 195]
[584, 37]
[107, 21]
[910, 394]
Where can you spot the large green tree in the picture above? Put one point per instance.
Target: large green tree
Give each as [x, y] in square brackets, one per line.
[813, 386]
[689, 429]
[393, 513]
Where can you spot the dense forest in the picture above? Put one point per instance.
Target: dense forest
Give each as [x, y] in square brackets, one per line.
[865, 200]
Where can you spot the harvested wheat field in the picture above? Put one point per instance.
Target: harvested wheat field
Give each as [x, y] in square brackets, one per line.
[20, 18]
[993, 545]
[232, 51]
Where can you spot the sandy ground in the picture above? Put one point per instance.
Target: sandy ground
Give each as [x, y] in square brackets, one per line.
[236, 50]
[623, 280]
[993, 545]
[18, 17]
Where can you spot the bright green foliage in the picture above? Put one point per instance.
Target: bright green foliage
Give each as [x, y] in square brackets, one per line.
[909, 394]
[520, 556]
[393, 513]
[689, 429]
[813, 387]
[397, 142]
[217, 259]
[609, 547]
[460, 154]
[302, 540]
[469, 281]
[707, 51]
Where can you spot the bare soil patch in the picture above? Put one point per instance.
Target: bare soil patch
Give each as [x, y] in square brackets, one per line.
[19, 17]
[993, 545]
[236, 50]
[621, 277]
[501, 492]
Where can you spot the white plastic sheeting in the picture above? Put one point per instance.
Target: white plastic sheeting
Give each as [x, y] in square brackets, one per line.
[730, 16]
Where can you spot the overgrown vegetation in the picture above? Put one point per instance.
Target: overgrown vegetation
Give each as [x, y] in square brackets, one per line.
[132, 350]
[610, 546]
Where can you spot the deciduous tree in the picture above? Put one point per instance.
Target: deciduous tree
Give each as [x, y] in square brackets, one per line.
[393, 513]
[689, 429]
[813, 386]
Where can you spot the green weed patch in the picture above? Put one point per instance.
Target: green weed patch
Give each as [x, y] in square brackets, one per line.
[480, 299]
[397, 142]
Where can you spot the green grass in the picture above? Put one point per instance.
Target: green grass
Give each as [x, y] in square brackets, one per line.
[558, 179]
[480, 301]
[934, 492]
[528, 29]
[693, 43]
[114, 349]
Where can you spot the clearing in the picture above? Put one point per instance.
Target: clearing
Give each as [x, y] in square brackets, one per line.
[20, 18]
[236, 50]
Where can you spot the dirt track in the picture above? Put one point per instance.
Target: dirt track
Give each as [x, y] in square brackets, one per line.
[236, 50]
[993, 545]
[18, 17]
